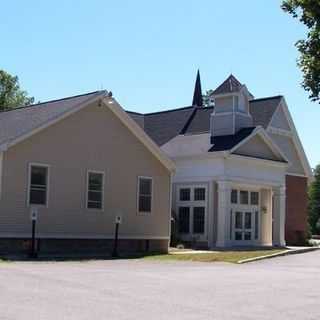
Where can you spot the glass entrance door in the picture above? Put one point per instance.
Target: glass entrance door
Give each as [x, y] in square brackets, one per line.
[245, 215]
[244, 225]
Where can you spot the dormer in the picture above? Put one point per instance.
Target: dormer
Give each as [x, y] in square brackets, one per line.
[231, 108]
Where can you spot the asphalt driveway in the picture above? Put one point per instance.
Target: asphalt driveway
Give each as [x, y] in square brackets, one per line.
[281, 288]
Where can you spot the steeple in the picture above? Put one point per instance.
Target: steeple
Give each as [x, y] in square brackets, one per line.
[197, 94]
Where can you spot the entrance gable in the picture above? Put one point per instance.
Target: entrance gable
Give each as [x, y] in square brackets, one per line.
[258, 148]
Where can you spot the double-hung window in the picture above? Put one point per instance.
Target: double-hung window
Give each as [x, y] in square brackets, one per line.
[144, 195]
[95, 190]
[38, 185]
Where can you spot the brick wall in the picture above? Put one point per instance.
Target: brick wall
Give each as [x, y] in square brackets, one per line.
[296, 209]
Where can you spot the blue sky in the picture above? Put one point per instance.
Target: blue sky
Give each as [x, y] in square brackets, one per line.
[147, 52]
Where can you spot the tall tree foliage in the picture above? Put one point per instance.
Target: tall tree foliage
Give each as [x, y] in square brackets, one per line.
[314, 203]
[11, 95]
[207, 99]
[308, 12]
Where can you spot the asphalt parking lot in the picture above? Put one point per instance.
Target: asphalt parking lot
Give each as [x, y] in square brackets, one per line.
[280, 288]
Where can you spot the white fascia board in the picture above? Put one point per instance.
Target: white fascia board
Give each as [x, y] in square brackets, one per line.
[259, 161]
[296, 140]
[115, 107]
[49, 123]
[206, 156]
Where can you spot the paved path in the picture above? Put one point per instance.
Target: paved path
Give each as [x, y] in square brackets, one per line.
[281, 288]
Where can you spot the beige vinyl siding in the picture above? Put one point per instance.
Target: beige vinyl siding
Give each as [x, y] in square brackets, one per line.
[91, 139]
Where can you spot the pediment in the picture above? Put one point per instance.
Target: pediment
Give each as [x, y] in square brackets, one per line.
[257, 146]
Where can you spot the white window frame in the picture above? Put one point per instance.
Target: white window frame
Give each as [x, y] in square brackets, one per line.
[102, 191]
[191, 204]
[144, 213]
[43, 165]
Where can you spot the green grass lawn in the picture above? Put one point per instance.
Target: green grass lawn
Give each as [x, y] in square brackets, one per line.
[215, 256]
[222, 256]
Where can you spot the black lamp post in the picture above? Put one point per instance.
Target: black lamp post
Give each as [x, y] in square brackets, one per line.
[116, 234]
[34, 217]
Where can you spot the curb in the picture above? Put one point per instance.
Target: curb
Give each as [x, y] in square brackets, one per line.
[279, 254]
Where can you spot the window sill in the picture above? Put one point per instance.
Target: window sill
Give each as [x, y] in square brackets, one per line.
[144, 213]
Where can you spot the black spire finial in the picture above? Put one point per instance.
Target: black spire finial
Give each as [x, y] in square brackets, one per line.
[197, 94]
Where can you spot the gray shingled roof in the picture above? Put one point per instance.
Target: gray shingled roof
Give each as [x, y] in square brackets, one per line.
[165, 125]
[137, 117]
[17, 122]
[160, 126]
[200, 121]
[227, 142]
[231, 84]
[263, 109]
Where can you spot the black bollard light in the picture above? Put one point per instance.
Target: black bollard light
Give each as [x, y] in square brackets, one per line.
[34, 217]
[116, 234]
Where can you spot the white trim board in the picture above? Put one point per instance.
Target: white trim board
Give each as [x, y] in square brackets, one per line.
[144, 213]
[102, 191]
[41, 165]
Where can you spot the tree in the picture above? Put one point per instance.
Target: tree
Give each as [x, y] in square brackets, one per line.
[314, 202]
[207, 99]
[308, 12]
[11, 95]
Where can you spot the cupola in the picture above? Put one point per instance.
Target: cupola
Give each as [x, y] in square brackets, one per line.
[231, 108]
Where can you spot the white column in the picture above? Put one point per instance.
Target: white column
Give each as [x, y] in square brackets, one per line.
[279, 216]
[224, 190]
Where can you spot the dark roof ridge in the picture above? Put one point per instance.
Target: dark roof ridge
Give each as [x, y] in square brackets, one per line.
[267, 98]
[134, 112]
[187, 124]
[170, 110]
[54, 100]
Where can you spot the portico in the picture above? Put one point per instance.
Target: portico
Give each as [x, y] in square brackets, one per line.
[250, 215]
[227, 200]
